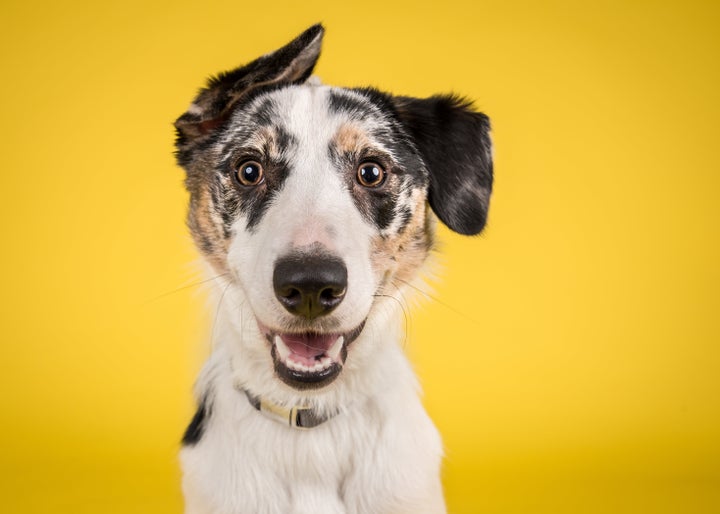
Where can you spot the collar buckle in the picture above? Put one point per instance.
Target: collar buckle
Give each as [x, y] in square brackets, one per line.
[298, 417]
[286, 416]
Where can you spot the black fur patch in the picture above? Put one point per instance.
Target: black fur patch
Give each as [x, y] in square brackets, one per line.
[196, 428]
[253, 201]
[455, 144]
[228, 212]
[383, 207]
[370, 99]
[350, 105]
[283, 138]
[255, 204]
[405, 215]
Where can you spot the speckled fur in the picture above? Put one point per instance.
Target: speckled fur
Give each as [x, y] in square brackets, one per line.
[379, 453]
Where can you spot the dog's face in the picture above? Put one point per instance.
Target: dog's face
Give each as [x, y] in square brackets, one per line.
[313, 200]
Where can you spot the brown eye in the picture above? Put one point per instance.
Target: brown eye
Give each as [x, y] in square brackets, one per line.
[249, 173]
[370, 174]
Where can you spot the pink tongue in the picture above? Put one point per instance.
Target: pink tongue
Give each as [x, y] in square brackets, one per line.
[309, 346]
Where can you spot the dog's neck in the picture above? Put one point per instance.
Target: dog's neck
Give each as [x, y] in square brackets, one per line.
[299, 417]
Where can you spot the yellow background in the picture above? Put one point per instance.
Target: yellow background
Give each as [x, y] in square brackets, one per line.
[570, 356]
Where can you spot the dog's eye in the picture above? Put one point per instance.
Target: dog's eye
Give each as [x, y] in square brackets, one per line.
[370, 174]
[249, 173]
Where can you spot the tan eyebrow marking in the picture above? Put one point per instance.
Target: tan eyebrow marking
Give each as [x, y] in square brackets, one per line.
[350, 138]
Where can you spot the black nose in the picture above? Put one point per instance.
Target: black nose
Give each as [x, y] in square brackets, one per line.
[310, 285]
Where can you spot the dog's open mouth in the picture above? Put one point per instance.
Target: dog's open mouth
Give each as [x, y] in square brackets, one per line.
[308, 359]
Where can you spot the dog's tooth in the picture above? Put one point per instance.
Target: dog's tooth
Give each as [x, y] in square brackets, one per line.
[297, 366]
[282, 349]
[334, 350]
[325, 362]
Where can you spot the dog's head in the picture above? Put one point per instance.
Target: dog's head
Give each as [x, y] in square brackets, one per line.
[312, 200]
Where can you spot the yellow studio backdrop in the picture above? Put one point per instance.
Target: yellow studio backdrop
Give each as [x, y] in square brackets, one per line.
[569, 355]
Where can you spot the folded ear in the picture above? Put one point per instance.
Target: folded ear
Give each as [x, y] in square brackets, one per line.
[291, 64]
[454, 142]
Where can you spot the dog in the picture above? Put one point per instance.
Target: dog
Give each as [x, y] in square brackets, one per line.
[315, 209]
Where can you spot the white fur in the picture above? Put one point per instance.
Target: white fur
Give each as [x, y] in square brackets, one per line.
[381, 454]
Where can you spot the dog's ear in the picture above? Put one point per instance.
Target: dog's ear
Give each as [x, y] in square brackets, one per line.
[291, 64]
[454, 142]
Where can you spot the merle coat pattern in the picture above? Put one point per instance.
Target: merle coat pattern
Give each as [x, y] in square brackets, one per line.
[314, 207]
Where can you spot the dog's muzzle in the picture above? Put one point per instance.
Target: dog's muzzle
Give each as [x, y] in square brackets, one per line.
[309, 285]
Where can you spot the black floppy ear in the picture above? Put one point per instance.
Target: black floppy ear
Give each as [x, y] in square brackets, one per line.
[454, 142]
[291, 64]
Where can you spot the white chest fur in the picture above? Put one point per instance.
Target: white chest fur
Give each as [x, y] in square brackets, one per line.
[381, 454]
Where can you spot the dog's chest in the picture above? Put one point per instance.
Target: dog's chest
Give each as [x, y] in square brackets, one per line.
[347, 466]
